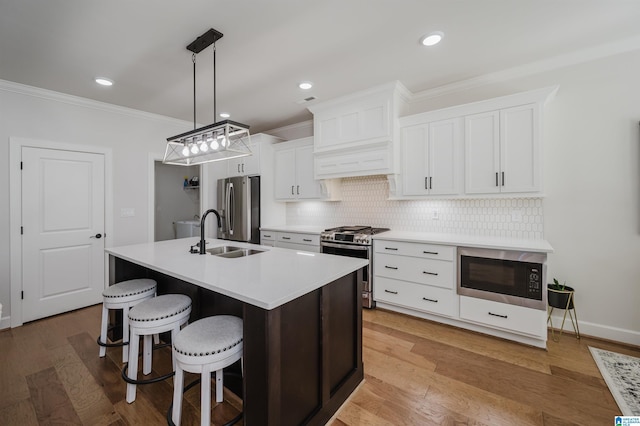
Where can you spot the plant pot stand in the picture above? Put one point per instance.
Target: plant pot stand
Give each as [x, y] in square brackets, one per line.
[573, 315]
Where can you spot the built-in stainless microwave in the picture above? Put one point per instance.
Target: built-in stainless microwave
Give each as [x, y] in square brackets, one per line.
[506, 276]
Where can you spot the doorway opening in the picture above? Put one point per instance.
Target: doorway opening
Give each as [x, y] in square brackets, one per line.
[176, 200]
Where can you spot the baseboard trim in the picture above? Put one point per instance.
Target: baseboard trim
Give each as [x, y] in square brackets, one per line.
[5, 322]
[605, 332]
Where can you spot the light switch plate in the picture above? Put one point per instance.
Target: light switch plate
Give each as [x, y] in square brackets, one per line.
[127, 212]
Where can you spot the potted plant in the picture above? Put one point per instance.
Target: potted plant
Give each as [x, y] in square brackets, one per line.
[560, 295]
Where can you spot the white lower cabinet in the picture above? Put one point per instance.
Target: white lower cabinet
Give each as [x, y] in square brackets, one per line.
[415, 275]
[419, 279]
[291, 240]
[501, 315]
[424, 298]
[267, 238]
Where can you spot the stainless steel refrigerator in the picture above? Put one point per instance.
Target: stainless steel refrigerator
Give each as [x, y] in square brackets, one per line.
[239, 208]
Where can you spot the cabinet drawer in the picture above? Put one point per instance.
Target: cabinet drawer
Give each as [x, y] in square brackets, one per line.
[415, 296]
[423, 271]
[267, 235]
[307, 239]
[501, 315]
[402, 248]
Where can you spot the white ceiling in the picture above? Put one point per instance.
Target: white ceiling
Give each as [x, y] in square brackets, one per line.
[270, 45]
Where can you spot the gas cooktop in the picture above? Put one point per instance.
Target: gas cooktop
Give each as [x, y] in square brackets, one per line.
[351, 234]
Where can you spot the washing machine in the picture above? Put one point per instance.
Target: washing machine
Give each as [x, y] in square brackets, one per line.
[187, 228]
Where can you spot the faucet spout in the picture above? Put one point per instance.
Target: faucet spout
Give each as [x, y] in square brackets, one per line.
[204, 216]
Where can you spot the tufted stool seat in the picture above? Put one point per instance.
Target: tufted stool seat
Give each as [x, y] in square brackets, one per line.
[162, 313]
[205, 346]
[123, 295]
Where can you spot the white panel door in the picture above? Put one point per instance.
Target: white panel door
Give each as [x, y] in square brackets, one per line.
[63, 227]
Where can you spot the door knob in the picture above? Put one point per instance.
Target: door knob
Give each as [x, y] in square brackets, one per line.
[98, 236]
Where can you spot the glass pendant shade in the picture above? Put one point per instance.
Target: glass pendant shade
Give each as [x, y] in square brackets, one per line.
[227, 139]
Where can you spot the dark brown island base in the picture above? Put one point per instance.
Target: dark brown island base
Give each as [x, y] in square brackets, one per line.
[302, 358]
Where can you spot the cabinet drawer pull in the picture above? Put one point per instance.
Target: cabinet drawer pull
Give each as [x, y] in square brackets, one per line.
[391, 248]
[497, 179]
[429, 273]
[502, 178]
[430, 182]
[292, 190]
[391, 267]
[297, 189]
[430, 252]
[426, 182]
[307, 240]
[286, 238]
[430, 300]
[267, 236]
[497, 315]
[389, 291]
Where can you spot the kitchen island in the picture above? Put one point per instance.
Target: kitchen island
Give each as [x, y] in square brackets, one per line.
[301, 311]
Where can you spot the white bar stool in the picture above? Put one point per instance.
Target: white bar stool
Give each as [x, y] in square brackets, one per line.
[123, 295]
[207, 345]
[162, 313]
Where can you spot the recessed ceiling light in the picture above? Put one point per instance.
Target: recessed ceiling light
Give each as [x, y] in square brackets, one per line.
[305, 85]
[104, 81]
[225, 115]
[432, 39]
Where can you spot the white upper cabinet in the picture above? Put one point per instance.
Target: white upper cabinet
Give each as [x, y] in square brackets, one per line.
[431, 158]
[502, 151]
[356, 135]
[249, 165]
[294, 177]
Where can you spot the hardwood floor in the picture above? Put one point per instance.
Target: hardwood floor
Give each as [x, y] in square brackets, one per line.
[416, 373]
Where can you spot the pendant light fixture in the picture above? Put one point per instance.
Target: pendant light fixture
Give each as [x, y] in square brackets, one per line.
[218, 141]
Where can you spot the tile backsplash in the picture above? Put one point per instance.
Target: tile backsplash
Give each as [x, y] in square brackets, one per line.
[364, 202]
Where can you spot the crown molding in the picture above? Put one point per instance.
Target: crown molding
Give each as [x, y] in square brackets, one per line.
[560, 61]
[23, 89]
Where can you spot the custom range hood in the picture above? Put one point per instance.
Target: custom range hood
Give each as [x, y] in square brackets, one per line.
[218, 141]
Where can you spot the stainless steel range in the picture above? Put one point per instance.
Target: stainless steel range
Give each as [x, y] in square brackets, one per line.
[353, 241]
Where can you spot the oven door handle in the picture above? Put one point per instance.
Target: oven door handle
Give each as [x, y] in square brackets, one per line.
[345, 246]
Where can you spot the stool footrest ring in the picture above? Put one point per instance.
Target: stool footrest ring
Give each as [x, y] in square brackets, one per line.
[125, 370]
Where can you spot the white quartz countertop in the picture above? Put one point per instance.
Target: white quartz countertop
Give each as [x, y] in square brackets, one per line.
[299, 229]
[266, 280]
[498, 243]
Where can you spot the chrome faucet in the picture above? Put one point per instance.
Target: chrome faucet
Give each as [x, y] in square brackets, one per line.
[204, 216]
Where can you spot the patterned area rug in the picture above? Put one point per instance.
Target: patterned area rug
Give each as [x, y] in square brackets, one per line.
[622, 374]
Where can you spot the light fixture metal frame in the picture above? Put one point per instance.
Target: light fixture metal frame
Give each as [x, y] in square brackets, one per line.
[223, 140]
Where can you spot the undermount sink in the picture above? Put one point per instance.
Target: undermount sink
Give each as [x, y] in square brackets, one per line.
[222, 249]
[231, 252]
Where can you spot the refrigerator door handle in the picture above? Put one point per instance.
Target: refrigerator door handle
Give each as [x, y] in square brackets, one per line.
[231, 206]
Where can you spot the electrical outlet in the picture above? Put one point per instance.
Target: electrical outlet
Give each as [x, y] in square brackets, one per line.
[434, 215]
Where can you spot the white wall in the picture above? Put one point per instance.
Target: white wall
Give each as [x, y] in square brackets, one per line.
[32, 113]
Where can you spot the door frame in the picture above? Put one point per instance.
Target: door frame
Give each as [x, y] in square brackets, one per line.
[15, 209]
